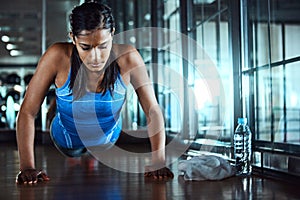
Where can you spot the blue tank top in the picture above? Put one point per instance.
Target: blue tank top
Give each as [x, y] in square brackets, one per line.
[92, 120]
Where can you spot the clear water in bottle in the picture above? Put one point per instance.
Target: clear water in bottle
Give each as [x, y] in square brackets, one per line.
[242, 147]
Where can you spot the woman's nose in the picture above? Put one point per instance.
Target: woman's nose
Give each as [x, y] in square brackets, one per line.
[96, 54]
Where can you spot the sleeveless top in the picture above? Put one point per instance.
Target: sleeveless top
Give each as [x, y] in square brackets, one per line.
[91, 120]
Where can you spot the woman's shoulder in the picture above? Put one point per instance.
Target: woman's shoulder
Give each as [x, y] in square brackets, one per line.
[60, 49]
[127, 55]
[56, 58]
[57, 55]
[123, 50]
[55, 62]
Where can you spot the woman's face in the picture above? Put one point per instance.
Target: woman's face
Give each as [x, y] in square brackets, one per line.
[94, 48]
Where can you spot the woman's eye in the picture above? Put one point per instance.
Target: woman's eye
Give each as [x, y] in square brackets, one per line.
[85, 48]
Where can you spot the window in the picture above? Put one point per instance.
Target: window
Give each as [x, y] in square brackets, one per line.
[270, 75]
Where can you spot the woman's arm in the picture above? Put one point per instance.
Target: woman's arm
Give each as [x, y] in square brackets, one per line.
[25, 128]
[143, 86]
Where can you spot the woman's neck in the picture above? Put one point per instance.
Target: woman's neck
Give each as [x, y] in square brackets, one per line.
[94, 80]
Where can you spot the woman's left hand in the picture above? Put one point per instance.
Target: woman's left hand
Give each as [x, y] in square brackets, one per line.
[162, 173]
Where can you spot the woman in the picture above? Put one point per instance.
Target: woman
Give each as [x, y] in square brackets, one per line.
[91, 75]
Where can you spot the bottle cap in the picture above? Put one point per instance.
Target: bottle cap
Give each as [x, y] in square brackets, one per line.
[242, 120]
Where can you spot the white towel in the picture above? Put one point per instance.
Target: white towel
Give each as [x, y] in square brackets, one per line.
[206, 167]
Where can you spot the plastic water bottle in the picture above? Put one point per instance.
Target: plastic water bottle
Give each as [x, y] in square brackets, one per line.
[242, 147]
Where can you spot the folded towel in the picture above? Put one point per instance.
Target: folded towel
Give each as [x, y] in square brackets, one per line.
[206, 167]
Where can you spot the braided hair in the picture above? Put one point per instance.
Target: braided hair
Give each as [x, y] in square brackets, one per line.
[91, 16]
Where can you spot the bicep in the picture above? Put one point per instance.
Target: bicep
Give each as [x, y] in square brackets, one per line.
[133, 69]
[142, 84]
[38, 86]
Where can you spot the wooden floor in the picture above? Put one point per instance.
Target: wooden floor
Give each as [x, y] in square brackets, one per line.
[77, 180]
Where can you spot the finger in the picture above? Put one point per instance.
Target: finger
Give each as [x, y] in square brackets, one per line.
[30, 178]
[25, 179]
[165, 173]
[34, 178]
[151, 174]
[43, 176]
[22, 178]
[19, 180]
[161, 173]
[147, 174]
[169, 173]
[156, 174]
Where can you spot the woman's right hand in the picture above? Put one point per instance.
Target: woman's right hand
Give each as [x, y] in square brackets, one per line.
[31, 176]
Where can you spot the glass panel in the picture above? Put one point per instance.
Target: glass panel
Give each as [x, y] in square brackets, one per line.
[210, 40]
[246, 94]
[276, 42]
[263, 107]
[207, 9]
[170, 6]
[293, 103]
[261, 39]
[275, 161]
[225, 60]
[276, 37]
[175, 22]
[256, 159]
[226, 74]
[278, 103]
[171, 91]
[292, 32]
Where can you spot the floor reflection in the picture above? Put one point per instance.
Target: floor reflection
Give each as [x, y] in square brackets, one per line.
[90, 179]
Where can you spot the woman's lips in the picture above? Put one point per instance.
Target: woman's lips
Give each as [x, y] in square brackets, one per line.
[96, 64]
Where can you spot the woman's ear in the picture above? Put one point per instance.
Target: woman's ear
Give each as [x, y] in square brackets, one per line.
[72, 37]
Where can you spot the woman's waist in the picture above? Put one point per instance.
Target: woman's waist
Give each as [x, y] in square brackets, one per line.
[104, 124]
